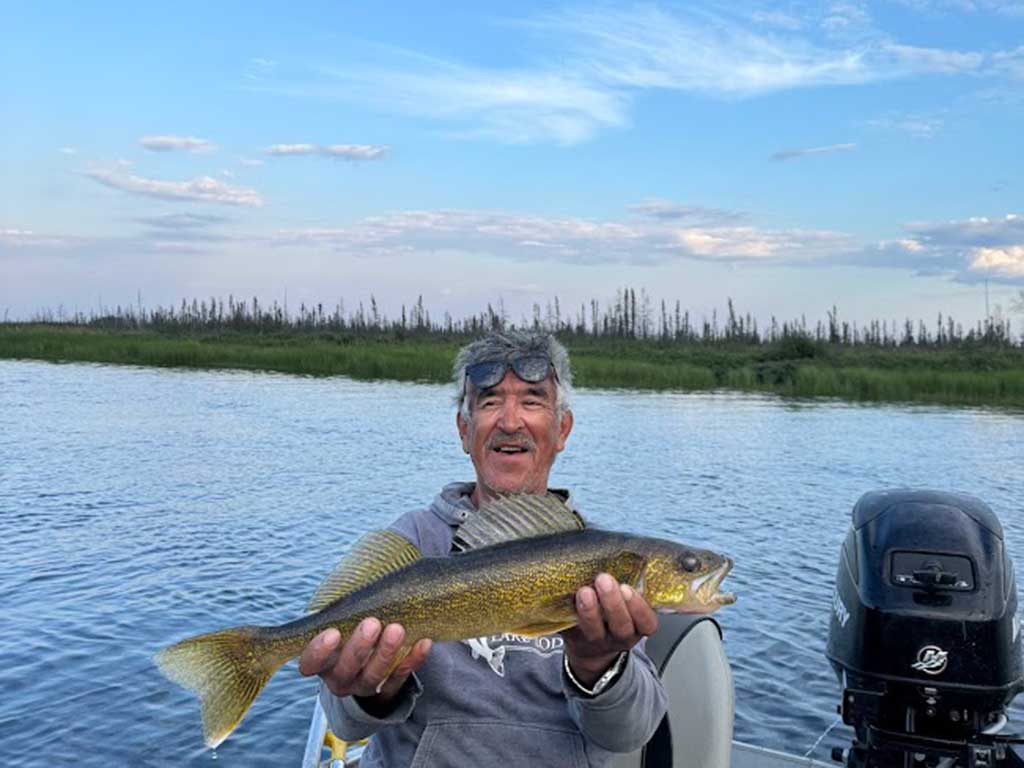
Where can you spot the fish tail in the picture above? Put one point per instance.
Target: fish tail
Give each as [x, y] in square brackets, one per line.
[226, 670]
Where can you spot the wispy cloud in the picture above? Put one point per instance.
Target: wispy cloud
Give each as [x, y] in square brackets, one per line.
[260, 68]
[668, 211]
[202, 189]
[792, 154]
[704, 51]
[512, 105]
[177, 144]
[1010, 63]
[1012, 8]
[27, 238]
[179, 221]
[68, 151]
[607, 55]
[351, 152]
[779, 20]
[917, 126]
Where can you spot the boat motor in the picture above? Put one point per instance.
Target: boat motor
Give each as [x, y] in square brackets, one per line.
[924, 634]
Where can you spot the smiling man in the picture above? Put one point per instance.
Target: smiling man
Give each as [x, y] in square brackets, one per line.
[574, 698]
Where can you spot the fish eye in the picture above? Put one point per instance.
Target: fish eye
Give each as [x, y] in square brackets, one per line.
[690, 563]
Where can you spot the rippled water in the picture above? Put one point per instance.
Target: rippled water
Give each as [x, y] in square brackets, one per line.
[138, 506]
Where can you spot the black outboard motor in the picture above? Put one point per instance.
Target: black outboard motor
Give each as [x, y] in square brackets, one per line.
[924, 634]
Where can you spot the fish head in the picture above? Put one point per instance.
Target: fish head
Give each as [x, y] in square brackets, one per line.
[682, 579]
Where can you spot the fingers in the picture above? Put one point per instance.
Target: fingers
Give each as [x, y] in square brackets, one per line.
[316, 654]
[610, 612]
[379, 664]
[591, 624]
[645, 619]
[613, 604]
[416, 658]
[352, 660]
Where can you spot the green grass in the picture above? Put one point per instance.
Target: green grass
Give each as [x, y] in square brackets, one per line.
[951, 375]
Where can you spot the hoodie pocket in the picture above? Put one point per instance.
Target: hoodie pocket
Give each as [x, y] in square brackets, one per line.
[459, 744]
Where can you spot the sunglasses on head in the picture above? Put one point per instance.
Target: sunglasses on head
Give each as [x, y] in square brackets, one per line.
[532, 369]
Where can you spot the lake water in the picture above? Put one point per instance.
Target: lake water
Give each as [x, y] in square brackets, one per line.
[140, 506]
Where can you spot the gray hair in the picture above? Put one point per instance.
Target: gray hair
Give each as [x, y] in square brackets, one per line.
[506, 346]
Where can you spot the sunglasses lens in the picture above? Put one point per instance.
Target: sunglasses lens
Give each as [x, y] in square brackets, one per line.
[485, 375]
[531, 369]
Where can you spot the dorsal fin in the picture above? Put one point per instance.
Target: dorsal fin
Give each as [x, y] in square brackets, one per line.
[516, 516]
[376, 554]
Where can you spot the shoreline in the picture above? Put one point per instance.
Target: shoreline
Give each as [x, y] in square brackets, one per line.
[959, 375]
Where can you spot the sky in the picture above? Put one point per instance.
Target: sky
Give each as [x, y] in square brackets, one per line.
[790, 156]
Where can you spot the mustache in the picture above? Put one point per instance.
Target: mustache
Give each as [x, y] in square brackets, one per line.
[518, 439]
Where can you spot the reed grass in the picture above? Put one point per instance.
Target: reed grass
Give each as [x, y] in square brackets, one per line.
[944, 375]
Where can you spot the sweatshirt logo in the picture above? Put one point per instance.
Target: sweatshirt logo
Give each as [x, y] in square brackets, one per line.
[492, 648]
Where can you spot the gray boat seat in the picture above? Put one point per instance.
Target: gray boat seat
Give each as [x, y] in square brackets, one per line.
[697, 730]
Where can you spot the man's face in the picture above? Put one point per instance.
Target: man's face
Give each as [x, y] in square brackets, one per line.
[514, 435]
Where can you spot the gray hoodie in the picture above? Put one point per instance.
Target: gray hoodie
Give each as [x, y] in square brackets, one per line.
[502, 698]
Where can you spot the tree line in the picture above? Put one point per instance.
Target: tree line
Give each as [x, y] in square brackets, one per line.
[631, 315]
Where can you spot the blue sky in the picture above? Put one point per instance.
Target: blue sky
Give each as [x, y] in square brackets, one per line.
[791, 156]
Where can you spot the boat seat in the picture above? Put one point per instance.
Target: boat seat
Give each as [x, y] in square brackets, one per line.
[697, 730]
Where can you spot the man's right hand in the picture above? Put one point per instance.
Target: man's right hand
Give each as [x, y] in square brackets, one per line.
[359, 667]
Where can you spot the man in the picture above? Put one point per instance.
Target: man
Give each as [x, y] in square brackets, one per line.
[568, 699]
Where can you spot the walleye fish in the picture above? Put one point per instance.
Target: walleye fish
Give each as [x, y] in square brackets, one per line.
[518, 565]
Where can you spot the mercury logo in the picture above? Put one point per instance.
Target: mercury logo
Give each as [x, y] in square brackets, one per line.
[931, 660]
[839, 608]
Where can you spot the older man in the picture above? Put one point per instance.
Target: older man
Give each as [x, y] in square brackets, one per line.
[567, 699]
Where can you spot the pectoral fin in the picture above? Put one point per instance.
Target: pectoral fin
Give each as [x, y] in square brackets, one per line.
[556, 615]
[542, 628]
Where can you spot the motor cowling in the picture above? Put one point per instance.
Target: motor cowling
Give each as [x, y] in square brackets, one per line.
[924, 634]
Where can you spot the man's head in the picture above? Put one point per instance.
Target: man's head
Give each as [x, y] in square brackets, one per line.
[513, 390]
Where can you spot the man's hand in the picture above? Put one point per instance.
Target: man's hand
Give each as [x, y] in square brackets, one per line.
[613, 619]
[361, 666]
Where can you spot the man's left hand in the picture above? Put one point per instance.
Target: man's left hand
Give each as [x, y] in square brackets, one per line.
[613, 619]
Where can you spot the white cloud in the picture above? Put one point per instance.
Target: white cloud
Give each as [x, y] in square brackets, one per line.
[1007, 261]
[791, 154]
[567, 240]
[203, 188]
[177, 144]
[68, 151]
[351, 152]
[250, 162]
[966, 250]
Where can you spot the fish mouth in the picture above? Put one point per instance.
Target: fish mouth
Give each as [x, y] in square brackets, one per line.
[705, 589]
